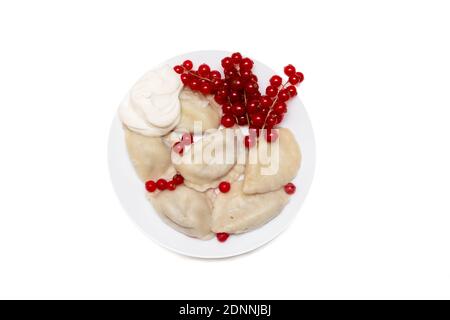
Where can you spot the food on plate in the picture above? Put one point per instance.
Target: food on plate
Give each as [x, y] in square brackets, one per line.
[237, 212]
[186, 210]
[271, 173]
[149, 155]
[214, 181]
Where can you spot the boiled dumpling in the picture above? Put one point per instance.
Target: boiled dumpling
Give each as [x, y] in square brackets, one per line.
[271, 171]
[197, 108]
[237, 212]
[186, 210]
[218, 154]
[149, 156]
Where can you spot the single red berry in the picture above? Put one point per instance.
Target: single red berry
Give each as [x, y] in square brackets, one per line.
[185, 78]
[150, 186]
[161, 184]
[224, 186]
[227, 108]
[228, 121]
[257, 120]
[294, 79]
[292, 91]
[178, 69]
[289, 70]
[222, 236]
[265, 101]
[252, 107]
[178, 148]
[205, 88]
[300, 76]
[249, 141]
[246, 74]
[187, 138]
[254, 78]
[171, 185]
[231, 73]
[221, 96]
[194, 84]
[215, 75]
[178, 179]
[276, 81]
[271, 91]
[271, 121]
[242, 120]
[187, 64]
[280, 107]
[217, 84]
[236, 57]
[283, 95]
[227, 63]
[246, 64]
[238, 109]
[234, 96]
[271, 135]
[237, 84]
[290, 188]
[204, 70]
[251, 87]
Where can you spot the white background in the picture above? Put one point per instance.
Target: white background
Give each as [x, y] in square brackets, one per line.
[376, 223]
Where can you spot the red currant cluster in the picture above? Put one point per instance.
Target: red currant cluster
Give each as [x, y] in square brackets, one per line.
[186, 139]
[239, 94]
[163, 184]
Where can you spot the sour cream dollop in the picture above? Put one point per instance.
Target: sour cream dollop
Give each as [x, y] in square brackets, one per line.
[152, 107]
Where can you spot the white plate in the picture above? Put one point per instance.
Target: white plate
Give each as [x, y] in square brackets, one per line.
[131, 191]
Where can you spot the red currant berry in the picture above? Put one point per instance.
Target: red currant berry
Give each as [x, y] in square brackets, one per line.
[249, 141]
[280, 118]
[283, 95]
[188, 65]
[222, 236]
[224, 186]
[280, 107]
[257, 120]
[289, 70]
[178, 148]
[294, 79]
[150, 186]
[251, 87]
[178, 69]
[231, 73]
[271, 91]
[194, 84]
[238, 109]
[171, 185]
[271, 121]
[265, 101]
[246, 75]
[242, 120]
[252, 106]
[271, 135]
[178, 179]
[276, 81]
[220, 96]
[205, 88]
[292, 91]
[290, 188]
[237, 84]
[204, 70]
[254, 78]
[227, 109]
[236, 57]
[161, 184]
[246, 64]
[234, 96]
[187, 138]
[228, 121]
[185, 78]
[227, 63]
[215, 75]
[300, 76]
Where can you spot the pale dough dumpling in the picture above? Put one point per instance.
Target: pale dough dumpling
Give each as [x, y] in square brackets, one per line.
[213, 167]
[149, 156]
[186, 210]
[196, 107]
[237, 212]
[277, 169]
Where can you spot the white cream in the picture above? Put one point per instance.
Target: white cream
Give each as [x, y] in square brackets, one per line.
[152, 107]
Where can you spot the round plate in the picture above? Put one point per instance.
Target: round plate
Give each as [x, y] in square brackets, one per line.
[131, 191]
